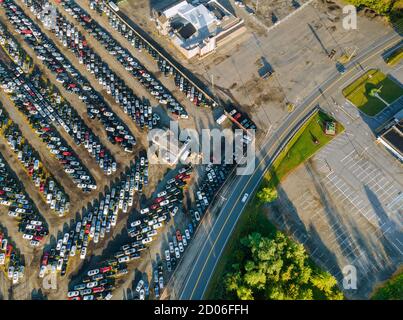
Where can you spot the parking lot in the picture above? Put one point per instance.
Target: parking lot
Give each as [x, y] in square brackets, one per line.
[345, 206]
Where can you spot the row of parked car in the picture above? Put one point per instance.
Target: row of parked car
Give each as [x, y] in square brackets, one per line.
[193, 93]
[98, 283]
[12, 194]
[126, 59]
[33, 106]
[72, 80]
[53, 193]
[164, 206]
[10, 261]
[214, 178]
[97, 222]
[72, 123]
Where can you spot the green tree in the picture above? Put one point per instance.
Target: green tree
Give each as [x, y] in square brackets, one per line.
[383, 7]
[278, 268]
[267, 194]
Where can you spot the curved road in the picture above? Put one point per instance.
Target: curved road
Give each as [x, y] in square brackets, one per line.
[203, 267]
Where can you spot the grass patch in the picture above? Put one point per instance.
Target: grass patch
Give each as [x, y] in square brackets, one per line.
[395, 57]
[391, 290]
[253, 219]
[358, 92]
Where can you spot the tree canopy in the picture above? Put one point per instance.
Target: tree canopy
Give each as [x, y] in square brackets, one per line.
[383, 7]
[267, 194]
[278, 269]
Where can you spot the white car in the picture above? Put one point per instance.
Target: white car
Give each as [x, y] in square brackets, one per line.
[27, 236]
[167, 255]
[92, 284]
[144, 211]
[245, 197]
[59, 244]
[187, 234]
[171, 247]
[184, 241]
[177, 253]
[146, 240]
[142, 295]
[42, 271]
[180, 245]
[72, 294]
[139, 285]
[34, 243]
[83, 253]
[93, 272]
[124, 259]
[174, 211]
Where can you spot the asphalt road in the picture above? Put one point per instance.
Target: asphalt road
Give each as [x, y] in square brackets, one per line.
[203, 267]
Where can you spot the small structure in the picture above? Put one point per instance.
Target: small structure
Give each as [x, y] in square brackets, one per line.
[330, 128]
[392, 136]
[169, 149]
[198, 29]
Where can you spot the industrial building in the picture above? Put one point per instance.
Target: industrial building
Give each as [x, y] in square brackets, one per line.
[392, 136]
[197, 29]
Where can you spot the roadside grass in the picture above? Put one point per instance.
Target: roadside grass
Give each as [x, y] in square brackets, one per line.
[395, 57]
[391, 290]
[254, 219]
[358, 92]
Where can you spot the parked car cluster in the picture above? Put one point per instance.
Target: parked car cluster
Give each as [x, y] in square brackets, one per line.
[76, 127]
[129, 62]
[12, 48]
[144, 229]
[98, 283]
[72, 81]
[20, 206]
[53, 194]
[64, 113]
[10, 260]
[137, 41]
[97, 222]
[214, 178]
[165, 205]
[36, 110]
[242, 119]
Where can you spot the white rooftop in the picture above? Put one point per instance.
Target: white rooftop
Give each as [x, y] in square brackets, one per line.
[200, 17]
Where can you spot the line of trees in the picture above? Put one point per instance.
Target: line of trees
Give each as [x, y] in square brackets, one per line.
[277, 269]
[392, 8]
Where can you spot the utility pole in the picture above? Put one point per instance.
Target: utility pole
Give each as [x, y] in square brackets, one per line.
[212, 83]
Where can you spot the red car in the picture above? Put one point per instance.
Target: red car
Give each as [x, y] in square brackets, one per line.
[75, 298]
[105, 269]
[98, 289]
[158, 200]
[9, 250]
[45, 259]
[178, 235]
[38, 238]
[153, 206]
